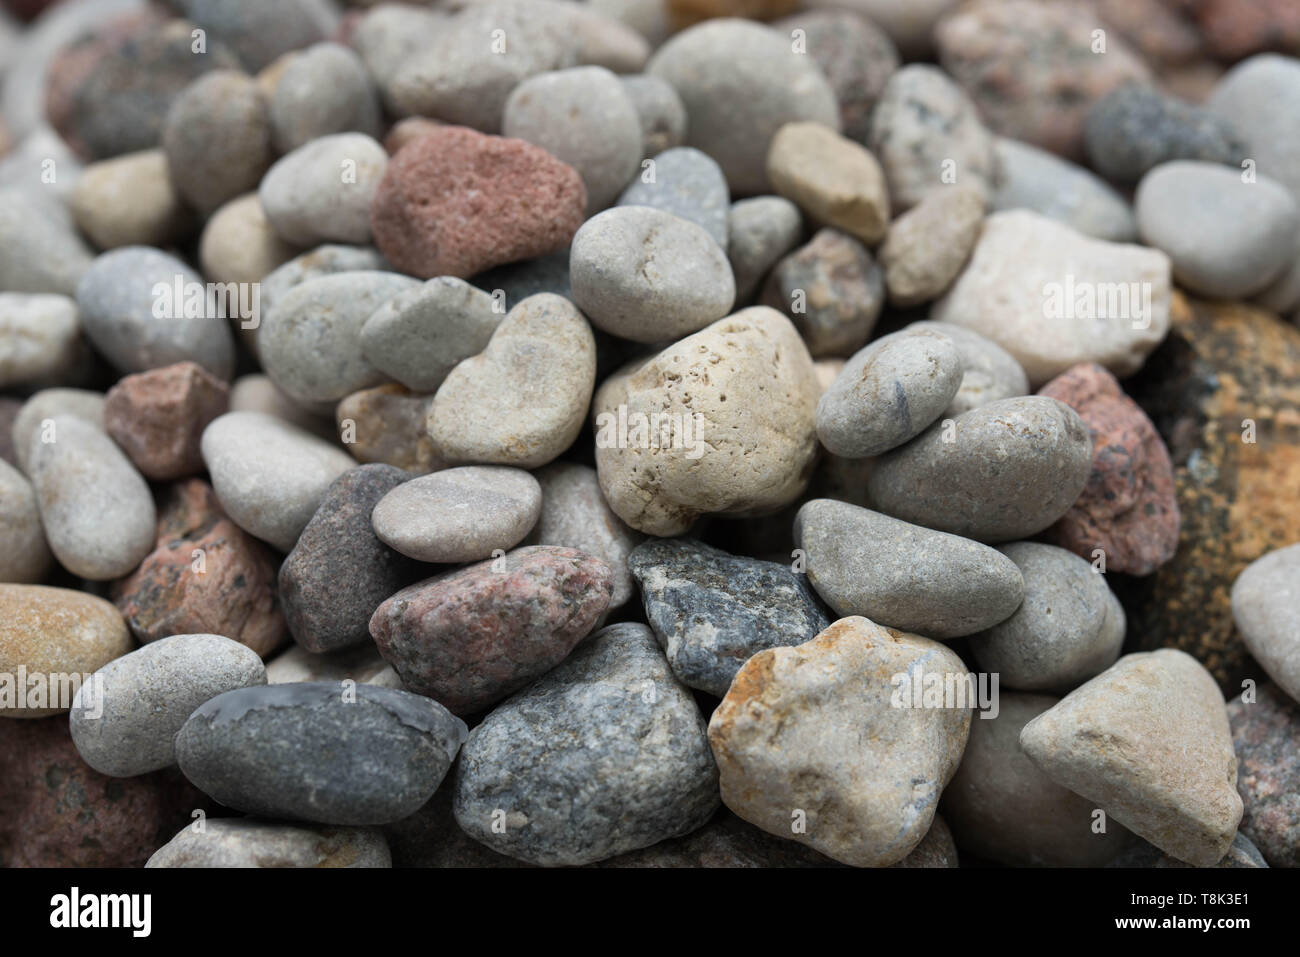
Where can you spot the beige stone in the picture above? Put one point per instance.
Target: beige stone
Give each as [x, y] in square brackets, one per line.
[129, 201]
[831, 178]
[388, 424]
[928, 245]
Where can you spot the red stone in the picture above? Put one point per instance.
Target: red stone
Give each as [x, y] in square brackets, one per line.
[1234, 30]
[234, 593]
[157, 417]
[1128, 508]
[455, 202]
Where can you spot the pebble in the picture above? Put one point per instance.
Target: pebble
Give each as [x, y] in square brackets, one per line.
[1134, 129]
[205, 575]
[910, 25]
[471, 637]
[1148, 740]
[855, 54]
[243, 843]
[269, 475]
[385, 36]
[904, 576]
[812, 729]
[1266, 739]
[649, 276]
[322, 191]
[582, 117]
[520, 280]
[1010, 469]
[832, 290]
[40, 250]
[779, 86]
[1002, 808]
[659, 110]
[322, 261]
[97, 511]
[129, 201]
[40, 338]
[257, 393]
[1069, 628]
[523, 400]
[614, 710]
[746, 389]
[339, 571]
[990, 372]
[27, 557]
[759, 232]
[1241, 853]
[831, 178]
[54, 631]
[1032, 69]
[459, 515]
[1265, 605]
[321, 751]
[240, 245]
[576, 515]
[1226, 239]
[929, 244]
[137, 326]
[124, 720]
[1053, 297]
[711, 612]
[217, 139]
[688, 184]
[927, 134]
[361, 663]
[455, 202]
[1129, 508]
[1247, 97]
[324, 89]
[158, 416]
[260, 32]
[1045, 183]
[889, 393]
[32, 418]
[310, 342]
[388, 425]
[420, 334]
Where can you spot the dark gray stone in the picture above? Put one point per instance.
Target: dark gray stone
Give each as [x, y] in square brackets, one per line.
[523, 279]
[1242, 853]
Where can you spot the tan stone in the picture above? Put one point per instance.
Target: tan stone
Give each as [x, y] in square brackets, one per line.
[129, 201]
[831, 178]
[388, 424]
[928, 245]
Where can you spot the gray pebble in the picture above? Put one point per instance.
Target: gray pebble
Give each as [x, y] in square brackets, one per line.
[1266, 609]
[1248, 97]
[26, 557]
[45, 405]
[989, 371]
[40, 250]
[324, 89]
[527, 278]
[1070, 627]
[605, 754]
[323, 751]
[260, 32]
[338, 571]
[649, 276]
[1035, 179]
[311, 343]
[269, 475]
[40, 338]
[902, 575]
[124, 720]
[130, 311]
[1226, 238]
[660, 110]
[759, 232]
[387, 35]
[419, 335]
[1004, 471]
[685, 183]
[888, 393]
[322, 261]
[711, 612]
[245, 843]
[459, 515]
[97, 511]
[321, 191]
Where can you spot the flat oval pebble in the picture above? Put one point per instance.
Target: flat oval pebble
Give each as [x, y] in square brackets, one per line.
[888, 393]
[1003, 471]
[244, 843]
[310, 342]
[902, 575]
[97, 510]
[269, 475]
[471, 637]
[339, 571]
[831, 178]
[686, 183]
[649, 276]
[1069, 628]
[1227, 239]
[459, 515]
[321, 191]
[40, 338]
[320, 751]
[522, 400]
[48, 633]
[44, 405]
[605, 754]
[130, 311]
[928, 245]
[989, 372]
[27, 557]
[1045, 183]
[125, 719]
[711, 611]
[1266, 610]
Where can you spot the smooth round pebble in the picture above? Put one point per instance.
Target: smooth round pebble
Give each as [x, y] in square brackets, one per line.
[240, 245]
[129, 201]
[928, 245]
[321, 191]
[32, 418]
[1035, 179]
[759, 232]
[40, 250]
[40, 338]
[1266, 609]
[686, 183]
[323, 89]
[660, 110]
[989, 371]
